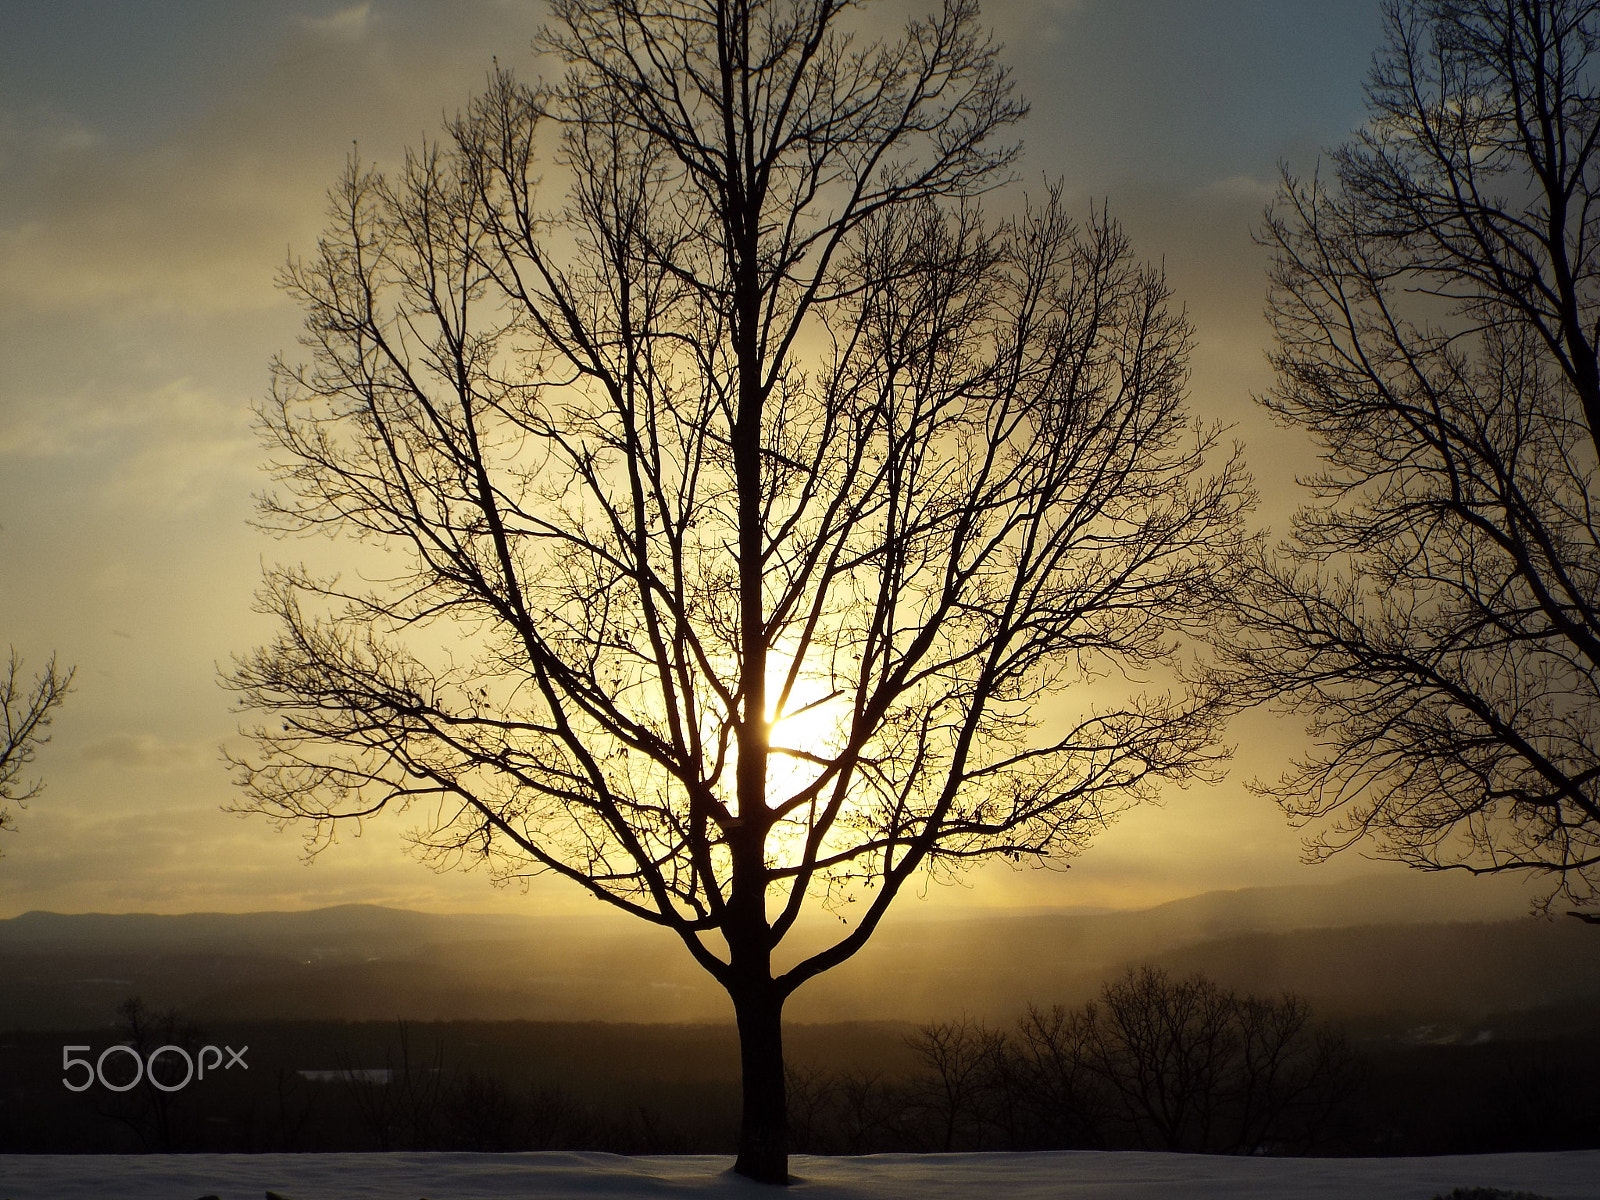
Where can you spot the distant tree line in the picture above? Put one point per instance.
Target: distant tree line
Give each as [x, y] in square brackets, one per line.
[1153, 1062]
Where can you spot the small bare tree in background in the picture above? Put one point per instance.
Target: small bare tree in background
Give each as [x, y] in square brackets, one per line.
[1154, 1062]
[156, 1109]
[961, 1060]
[1435, 610]
[762, 524]
[1190, 1065]
[1065, 1102]
[28, 707]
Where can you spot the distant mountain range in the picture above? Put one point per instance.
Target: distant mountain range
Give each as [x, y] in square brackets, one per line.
[1379, 946]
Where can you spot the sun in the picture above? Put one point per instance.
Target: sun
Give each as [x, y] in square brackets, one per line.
[813, 726]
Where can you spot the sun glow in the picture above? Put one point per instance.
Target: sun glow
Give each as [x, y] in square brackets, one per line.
[805, 737]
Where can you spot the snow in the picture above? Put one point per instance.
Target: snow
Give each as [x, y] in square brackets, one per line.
[1080, 1175]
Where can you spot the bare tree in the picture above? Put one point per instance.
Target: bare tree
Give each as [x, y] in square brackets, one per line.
[1291, 1079]
[961, 1058]
[1154, 1062]
[760, 524]
[155, 1109]
[1063, 1093]
[1435, 610]
[28, 708]
[402, 1104]
[1164, 1047]
[855, 1111]
[1185, 1064]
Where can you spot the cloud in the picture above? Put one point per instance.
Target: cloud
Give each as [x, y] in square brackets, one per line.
[178, 229]
[157, 856]
[141, 751]
[164, 448]
[197, 225]
[1023, 27]
[1238, 189]
[346, 25]
[201, 220]
[41, 134]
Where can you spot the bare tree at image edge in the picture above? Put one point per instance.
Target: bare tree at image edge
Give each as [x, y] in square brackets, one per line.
[28, 708]
[752, 514]
[1435, 610]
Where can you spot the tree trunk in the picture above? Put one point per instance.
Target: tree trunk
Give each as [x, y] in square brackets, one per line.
[764, 1122]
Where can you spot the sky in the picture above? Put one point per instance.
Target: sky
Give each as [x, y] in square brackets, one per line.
[160, 159]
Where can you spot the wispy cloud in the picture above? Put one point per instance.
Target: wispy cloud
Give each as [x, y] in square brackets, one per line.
[1033, 22]
[141, 751]
[26, 137]
[165, 449]
[201, 220]
[196, 226]
[346, 25]
[1246, 189]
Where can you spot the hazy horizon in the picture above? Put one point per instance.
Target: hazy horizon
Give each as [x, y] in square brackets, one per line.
[1388, 949]
[1413, 897]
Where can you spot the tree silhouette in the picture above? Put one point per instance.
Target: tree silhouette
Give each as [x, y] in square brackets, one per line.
[1188, 1065]
[1154, 1062]
[738, 512]
[28, 708]
[1435, 610]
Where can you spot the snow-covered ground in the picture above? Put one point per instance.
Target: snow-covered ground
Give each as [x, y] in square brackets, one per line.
[1067, 1175]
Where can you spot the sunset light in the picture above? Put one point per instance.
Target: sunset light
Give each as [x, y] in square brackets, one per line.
[916, 598]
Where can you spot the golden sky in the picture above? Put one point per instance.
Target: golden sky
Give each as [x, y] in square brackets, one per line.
[158, 161]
